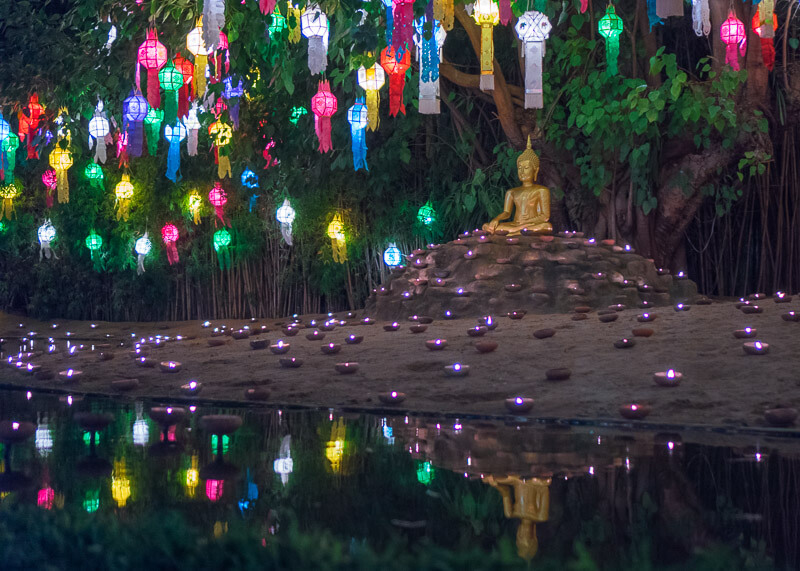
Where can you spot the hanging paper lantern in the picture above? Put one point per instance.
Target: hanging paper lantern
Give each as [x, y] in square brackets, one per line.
[124, 192]
[221, 134]
[169, 233]
[9, 148]
[152, 56]
[134, 110]
[46, 234]
[324, 105]
[94, 174]
[29, 125]
[249, 179]
[266, 6]
[171, 81]
[767, 46]
[733, 34]
[338, 239]
[197, 47]
[194, 202]
[152, 124]
[174, 134]
[392, 255]
[94, 242]
[402, 25]
[652, 14]
[222, 239]
[426, 214]
[50, 181]
[371, 80]
[429, 54]
[61, 160]
[8, 193]
[533, 28]
[314, 26]
[218, 198]
[267, 154]
[610, 27]
[293, 16]
[142, 247]
[276, 25]
[296, 113]
[192, 124]
[213, 23]
[357, 116]
[485, 13]
[285, 215]
[99, 129]
[232, 92]
[186, 69]
[396, 68]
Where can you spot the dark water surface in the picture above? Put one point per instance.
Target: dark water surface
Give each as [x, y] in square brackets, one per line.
[545, 493]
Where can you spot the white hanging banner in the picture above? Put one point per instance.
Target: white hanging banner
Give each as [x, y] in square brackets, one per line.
[533, 28]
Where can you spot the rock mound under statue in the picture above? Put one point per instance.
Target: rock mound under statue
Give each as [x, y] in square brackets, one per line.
[480, 274]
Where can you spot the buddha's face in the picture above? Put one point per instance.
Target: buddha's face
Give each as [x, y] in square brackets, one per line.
[526, 171]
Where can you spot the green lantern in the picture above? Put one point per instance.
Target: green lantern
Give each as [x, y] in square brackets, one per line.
[171, 81]
[152, 122]
[9, 147]
[424, 472]
[277, 25]
[426, 214]
[94, 173]
[296, 113]
[222, 239]
[3, 226]
[94, 241]
[610, 27]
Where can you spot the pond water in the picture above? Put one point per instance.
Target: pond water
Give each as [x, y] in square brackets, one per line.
[543, 492]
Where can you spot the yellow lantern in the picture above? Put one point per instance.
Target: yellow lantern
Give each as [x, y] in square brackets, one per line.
[61, 160]
[222, 135]
[197, 47]
[195, 202]
[120, 484]
[371, 80]
[338, 239]
[124, 193]
[8, 193]
[294, 30]
[487, 15]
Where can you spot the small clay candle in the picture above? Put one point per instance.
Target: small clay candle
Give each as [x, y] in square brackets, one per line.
[70, 375]
[470, 255]
[31, 368]
[368, 321]
[624, 343]
[456, 370]
[145, 362]
[545, 333]
[669, 378]
[478, 331]
[436, 344]
[745, 333]
[280, 348]
[634, 411]
[353, 339]
[170, 366]
[751, 309]
[791, 316]
[645, 317]
[290, 362]
[781, 297]
[347, 368]
[392, 397]
[485, 346]
[462, 292]
[241, 334]
[780, 416]
[682, 307]
[755, 348]
[681, 276]
[418, 328]
[258, 344]
[516, 314]
[315, 335]
[559, 374]
[124, 384]
[392, 326]
[331, 348]
[512, 241]
[519, 405]
[206, 324]
[489, 322]
[448, 314]
[191, 388]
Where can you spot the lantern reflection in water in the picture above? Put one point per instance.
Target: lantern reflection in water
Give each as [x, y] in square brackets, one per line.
[120, 484]
[334, 449]
[215, 489]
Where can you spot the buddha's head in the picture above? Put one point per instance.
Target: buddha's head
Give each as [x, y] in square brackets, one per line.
[527, 542]
[528, 164]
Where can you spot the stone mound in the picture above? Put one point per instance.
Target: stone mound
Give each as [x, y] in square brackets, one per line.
[481, 274]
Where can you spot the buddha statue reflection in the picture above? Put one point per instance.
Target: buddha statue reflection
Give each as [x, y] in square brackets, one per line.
[530, 203]
[528, 500]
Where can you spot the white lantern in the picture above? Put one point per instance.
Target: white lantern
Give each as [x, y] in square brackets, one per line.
[46, 234]
[392, 255]
[533, 28]
[99, 129]
[142, 247]
[285, 215]
[314, 26]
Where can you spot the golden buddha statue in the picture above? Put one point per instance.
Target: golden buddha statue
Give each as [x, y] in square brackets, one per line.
[530, 505]
[531, 201]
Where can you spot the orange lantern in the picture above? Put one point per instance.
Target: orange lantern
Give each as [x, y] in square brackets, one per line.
[396, 68]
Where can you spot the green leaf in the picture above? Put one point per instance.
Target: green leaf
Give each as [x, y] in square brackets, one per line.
[577, 21]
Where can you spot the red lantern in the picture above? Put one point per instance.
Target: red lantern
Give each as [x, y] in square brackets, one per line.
[29, 123]
[218, 199]
[169, 233]
[152, 56]
[186, 69]
[733, 34]
[397, 77]
[767, 47]
[324, 105]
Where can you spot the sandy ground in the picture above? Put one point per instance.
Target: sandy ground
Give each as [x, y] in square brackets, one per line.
[722, 385]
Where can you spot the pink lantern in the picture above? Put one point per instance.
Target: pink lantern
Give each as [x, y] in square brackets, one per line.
[170, 235]
[49, 180]
[733, 33]
[218, 198]
[152, 56]
[215, 489]
[324, 105]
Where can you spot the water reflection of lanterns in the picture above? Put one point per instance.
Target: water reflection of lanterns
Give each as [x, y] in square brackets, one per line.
[284, 465]
[44, 437]
[424, 472]
[120, 484]
[334, 448]
[250, 494]
[167, 418]
[92, 466]
[13, 432]
[45, 498]
[215, 489]
[91, 500]
[141, 431]
[192, 477]
[218, 471]
[528, 500]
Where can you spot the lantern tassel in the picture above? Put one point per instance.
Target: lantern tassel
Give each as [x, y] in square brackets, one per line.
[373, 107]
[192, 142]
[397, 84]
[135, 134]
[359, 146]
[534, 98]
[172, 253]
[286, 232]
[317, 55]
[443, 12]
[49, 196]
[612, 51]
[62, 185]
[701, 17]
[171, 107]
[224, 258]
[731, 57]
[183, 100]
[487, 58]
[505, 11]
[322, 126]
[223, 166]
[266, 6]
[339, 248]
[123, 208]
[584, 6]
[403, 31]
[768, 53]
[8, 209]
[153, 88]
[174, 160]
[139, 264]
[46, 251]
[200, 64]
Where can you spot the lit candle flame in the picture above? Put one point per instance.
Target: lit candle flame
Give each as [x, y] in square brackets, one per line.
[518, 400]
[15, 425]
[758, 345]
[634, 407]
[394, 394]
[747, 330]
[169, 410]
[457, 367]
[193, 385]
[671, 374]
